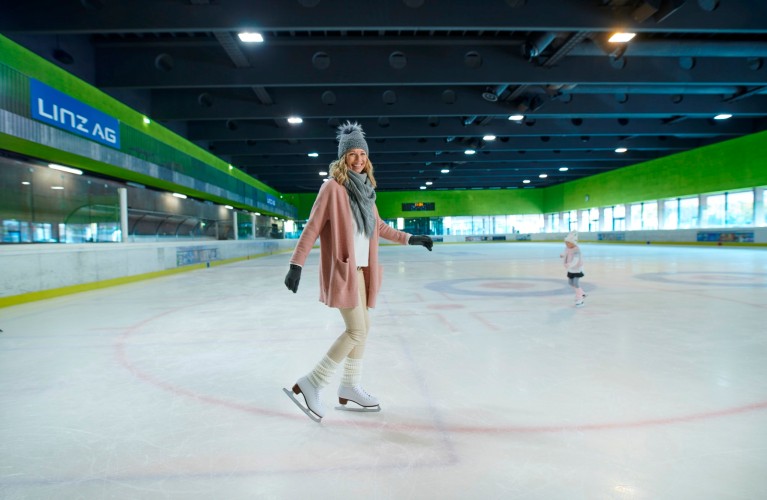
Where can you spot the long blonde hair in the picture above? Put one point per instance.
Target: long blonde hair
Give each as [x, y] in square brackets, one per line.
[340, 171]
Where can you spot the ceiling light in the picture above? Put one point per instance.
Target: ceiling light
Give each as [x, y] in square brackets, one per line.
[249, 37]
[621, 150]
[488, 138]
[445, 170]
[428, 183]
[57, 188]
[65, 169]
[231, 167]
[313, 155]
[423, 187]
[517, 118]
[723, 116]
[26, 183]
[179, 195]
[469, 152]
[295, 120]
[228, 207]
[543, 176]
[621, 37]
[526, 181]
[563, 169]
[323, 173]
[147, 120]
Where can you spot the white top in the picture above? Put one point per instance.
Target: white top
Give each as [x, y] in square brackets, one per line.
[361, 246]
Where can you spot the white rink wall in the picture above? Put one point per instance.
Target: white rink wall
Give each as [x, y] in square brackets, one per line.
[35, 268]
[682, 236]
[39, 267]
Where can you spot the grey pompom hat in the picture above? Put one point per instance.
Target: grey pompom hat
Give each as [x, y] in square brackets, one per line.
[351, 136]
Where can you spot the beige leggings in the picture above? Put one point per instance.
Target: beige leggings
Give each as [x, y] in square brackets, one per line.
[351, 343]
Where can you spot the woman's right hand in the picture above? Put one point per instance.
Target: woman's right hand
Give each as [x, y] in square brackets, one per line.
[293, 277]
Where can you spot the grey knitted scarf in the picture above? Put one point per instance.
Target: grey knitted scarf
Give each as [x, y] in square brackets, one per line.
[362, 197]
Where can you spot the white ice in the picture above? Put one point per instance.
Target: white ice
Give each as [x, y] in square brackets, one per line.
[493, 385]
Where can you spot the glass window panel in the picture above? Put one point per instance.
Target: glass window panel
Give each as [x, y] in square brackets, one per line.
[688, 213]
[713, 212]
[740, 208]
[650, 215]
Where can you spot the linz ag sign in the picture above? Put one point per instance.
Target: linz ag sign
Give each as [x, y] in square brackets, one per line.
[62, 111]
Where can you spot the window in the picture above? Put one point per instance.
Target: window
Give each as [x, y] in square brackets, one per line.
[619, 218]
[650, 215]
[670, 215]
[688, 213]
[713, 211]
[739, 208]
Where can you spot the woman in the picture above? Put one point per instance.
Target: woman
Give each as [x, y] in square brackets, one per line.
[345, 218]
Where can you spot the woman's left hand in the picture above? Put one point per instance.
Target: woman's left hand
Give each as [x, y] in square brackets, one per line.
[421, 240]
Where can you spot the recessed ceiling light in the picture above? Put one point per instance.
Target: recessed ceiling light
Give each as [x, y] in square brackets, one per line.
[526, 181]
[57, 188]
[323, 173]
[26, 183]
[621, 37]
[250, 37]
[295, 120]
[428, 183]
[313, 155]
[543, 176]
[517, 118]
[423, 187]
[445, 170]
[489, 138]
[563, 169]
[469, 152]
[723, 116]
[621, 150]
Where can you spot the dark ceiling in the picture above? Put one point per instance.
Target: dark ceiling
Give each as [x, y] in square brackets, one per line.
[427, 79]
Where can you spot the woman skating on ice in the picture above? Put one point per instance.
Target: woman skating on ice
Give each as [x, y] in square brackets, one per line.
[574, 264]
[345, 218]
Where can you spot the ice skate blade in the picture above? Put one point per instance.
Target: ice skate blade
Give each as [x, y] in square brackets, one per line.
[360, 409]
[303, 409]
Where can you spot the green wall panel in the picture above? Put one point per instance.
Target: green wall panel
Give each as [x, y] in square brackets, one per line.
[735, 164]
[151, 141]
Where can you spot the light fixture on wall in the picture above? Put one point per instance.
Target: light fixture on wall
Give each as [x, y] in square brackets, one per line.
[62, 168]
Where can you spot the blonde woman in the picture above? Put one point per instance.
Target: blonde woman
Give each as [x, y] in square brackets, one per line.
[345, 219]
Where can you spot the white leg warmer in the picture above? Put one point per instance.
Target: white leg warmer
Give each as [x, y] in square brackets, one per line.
[323, 372]
[352, 372]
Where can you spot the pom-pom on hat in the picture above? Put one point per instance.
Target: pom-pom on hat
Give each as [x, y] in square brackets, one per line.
[351, 136]
[572, 237]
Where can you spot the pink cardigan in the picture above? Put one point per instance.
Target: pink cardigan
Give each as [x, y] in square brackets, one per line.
[331, 221]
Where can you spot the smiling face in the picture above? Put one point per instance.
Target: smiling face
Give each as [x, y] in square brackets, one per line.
[356, 159]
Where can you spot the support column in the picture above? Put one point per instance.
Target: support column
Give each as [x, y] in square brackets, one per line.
[123, 195]
[234, 223]
[759, 219]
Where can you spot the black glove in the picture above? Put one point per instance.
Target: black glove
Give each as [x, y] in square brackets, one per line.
[293, 277]
[421, 240]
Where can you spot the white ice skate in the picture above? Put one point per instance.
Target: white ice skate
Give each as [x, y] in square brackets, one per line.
[357, 394]
[314, 408]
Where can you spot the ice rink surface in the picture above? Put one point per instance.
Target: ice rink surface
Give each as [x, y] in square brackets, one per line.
[493, 385]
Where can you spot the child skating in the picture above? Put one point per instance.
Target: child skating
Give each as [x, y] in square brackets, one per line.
[573, 261]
